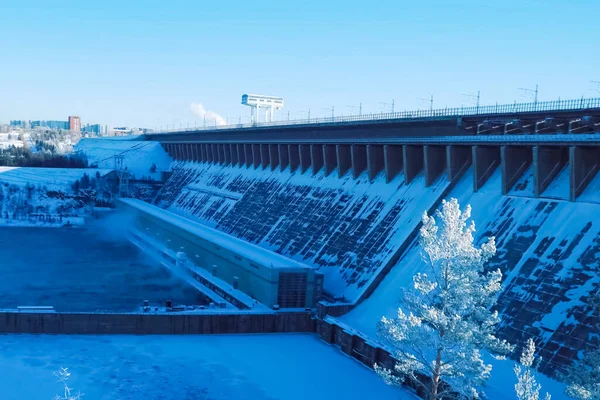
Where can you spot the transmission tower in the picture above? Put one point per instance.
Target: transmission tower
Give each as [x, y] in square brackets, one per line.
[122, 174]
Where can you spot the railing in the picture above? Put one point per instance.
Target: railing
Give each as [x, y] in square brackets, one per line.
[556, 105]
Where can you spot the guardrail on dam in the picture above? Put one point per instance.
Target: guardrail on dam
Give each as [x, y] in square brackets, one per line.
[525, 117]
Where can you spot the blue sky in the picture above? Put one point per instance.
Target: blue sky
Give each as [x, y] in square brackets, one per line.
[144, 63]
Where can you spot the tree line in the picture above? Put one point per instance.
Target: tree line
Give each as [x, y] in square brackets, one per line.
[23, 157]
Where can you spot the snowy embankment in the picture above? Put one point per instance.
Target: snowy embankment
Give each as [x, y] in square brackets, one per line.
[252, 367]
[51, 178]
[348, 228]
[45, 196]
[138, 156]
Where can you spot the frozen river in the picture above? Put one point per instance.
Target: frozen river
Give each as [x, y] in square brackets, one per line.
[80, 270]
[187, 367]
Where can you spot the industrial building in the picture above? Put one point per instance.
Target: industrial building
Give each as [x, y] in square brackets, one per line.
[258, 101]
[269, 278]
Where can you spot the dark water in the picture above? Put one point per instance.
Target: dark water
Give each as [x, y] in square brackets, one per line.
[80, 270]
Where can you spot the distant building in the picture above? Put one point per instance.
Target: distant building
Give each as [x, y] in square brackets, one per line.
[97, 129]
[19, 124]
[74, 124]
[64, 125]
[58, 125]
[121, 131]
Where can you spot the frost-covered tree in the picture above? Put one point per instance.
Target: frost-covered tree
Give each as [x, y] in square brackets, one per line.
[584, 377]
[63, 376]
[446, 320]
[527, 387]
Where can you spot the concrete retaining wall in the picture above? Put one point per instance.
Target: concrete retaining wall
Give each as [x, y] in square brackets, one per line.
[141, 323]
[368, 353]
[357, 347]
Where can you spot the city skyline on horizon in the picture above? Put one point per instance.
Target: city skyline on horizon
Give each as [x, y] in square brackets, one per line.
[176, 63]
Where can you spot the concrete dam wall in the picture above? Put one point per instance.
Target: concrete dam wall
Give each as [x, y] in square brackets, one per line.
[547, 250]
[350, 228]
[347, 228]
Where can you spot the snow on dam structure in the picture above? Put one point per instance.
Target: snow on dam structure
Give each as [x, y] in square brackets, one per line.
[348, 229]
[144, 160]
[547, 250]
[353, 211]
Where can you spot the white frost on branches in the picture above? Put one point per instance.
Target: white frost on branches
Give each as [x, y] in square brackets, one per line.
[585, 377]
[63, 376]
[527, 387]
[445, 319]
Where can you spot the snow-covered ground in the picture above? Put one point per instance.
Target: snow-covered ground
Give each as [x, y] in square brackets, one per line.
[139, 156]
[45, 196]
[52, 178]
[5, 144]
[199, 367]
[591, 194]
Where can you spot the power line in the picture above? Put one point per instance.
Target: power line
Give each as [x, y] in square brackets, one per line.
[475, 97]
[134, 148]
[430, 100]
[306, 112]
[532, 92]
[359, 108]
[388, 104]
[332, 108]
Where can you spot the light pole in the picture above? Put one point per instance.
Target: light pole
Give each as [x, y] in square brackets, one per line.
[388, 104]
[532, 92]
[430, 100]
[355, 107]
[476, 98]
[332, 111]
[307, 112]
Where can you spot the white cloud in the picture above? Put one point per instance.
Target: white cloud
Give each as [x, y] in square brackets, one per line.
[199, 110]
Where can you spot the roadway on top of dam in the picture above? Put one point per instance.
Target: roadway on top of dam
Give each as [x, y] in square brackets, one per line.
[579, 116]
[466, 140]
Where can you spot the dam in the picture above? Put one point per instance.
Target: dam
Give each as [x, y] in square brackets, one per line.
[346, 198]
[313, 227]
